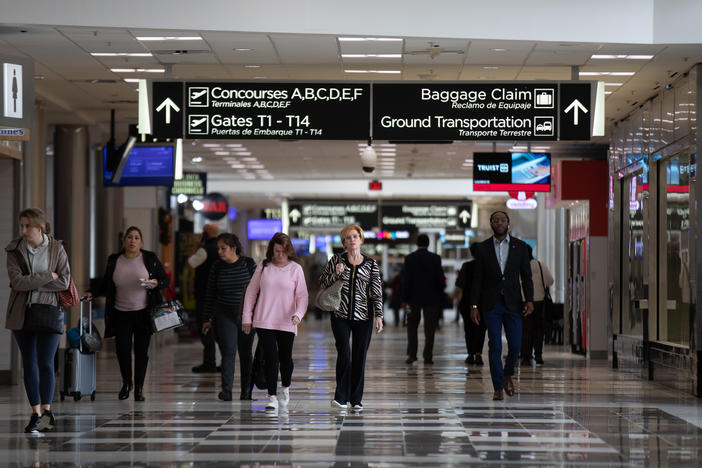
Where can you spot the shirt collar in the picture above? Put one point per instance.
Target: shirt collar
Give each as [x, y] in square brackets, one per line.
[496, 242]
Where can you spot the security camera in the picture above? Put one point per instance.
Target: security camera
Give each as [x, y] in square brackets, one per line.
[369, 159]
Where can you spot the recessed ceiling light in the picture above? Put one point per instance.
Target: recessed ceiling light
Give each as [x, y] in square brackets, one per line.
[608, 92]
[137, 70]
[121, 54]
[234, 145]
[222, 153]
[491, 68]
[169, 38]
[371, 55]
[249, 159]
[260, 77]
[242, 49]
[374, 71]
[613, 84]
[131, 80]
[624, 57]
[252, 66]
[243, 153]
[212, 145]
[587, 73]
[498, 50]
[370, 39]
[237, 166]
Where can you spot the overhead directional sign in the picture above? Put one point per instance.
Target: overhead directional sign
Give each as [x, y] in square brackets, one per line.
[575, 111]
[16, 92]
[410, 216]
[167, 109]
[465, 111]
[333, 214]
[278, 110]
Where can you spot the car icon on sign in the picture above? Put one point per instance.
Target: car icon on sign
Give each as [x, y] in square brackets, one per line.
[544, 127]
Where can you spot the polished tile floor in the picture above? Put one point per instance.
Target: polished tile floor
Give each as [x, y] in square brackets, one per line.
[568, 413]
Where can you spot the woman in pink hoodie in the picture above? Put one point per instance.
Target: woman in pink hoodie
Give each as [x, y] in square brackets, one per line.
[275, 302]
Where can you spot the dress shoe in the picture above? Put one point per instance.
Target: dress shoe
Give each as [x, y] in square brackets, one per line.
[410, 360]
[245, 394]
[478, 360]
[124, 391]
[428, 361]
[202, 368]
[509, 386]
[138, 394]
[539, 361]
[498, 395]
[33, 425]
[470, 359]
[225, 396]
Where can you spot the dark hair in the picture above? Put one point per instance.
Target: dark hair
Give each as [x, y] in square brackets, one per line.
[280, 239]
[503, 212]
[422, 240]
[133, 228]
[232, 241]
[36, 218]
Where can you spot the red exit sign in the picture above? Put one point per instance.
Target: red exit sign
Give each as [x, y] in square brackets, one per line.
[375, 185]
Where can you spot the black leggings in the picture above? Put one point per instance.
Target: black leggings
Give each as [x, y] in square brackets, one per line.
[277, 349]
[130, 329]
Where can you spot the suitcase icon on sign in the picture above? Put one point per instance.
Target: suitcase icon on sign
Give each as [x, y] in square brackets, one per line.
[543, 98]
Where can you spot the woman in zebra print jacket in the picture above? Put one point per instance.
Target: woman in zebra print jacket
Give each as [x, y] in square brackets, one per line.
[361, 308]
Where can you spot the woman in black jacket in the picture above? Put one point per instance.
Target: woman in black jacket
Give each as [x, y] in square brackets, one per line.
[131, 285]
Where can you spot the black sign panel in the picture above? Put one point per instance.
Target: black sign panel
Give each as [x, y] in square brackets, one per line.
[415, 216]
[192, 183]
[167, 109]
[278, 111]
[334, 215]
[575, 111]
[465, 111]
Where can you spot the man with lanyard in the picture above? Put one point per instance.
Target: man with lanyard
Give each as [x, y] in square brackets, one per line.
[500, 262]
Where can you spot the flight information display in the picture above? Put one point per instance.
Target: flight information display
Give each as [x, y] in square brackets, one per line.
[145, 166]
[494, 172]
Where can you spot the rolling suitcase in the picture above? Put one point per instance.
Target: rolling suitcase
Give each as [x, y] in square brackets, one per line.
[79, 368]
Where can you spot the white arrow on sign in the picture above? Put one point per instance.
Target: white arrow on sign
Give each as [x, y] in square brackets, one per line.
[464, 215]
[295, 215]
[168, 104]
[575, 106]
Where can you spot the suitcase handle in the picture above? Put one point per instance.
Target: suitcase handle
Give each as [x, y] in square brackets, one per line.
[89, 300]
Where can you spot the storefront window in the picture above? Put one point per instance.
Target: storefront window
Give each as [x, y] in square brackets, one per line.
[674, 278]
[634, 291]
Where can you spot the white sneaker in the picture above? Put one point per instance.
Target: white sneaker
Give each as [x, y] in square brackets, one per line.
[358, 407]
[285, 397]
[272, 402]
[337, 405]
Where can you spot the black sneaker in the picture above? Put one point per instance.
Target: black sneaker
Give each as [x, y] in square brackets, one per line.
[33, 425]
[539, 361]
[470, 359]
[225, 396]
[47, 421]
[478, 360]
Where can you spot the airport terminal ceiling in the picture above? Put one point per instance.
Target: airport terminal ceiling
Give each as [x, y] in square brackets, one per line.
[82, 73]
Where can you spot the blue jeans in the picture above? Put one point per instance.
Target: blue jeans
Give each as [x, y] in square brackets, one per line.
[351, 364]
[494, 319]
[38, 351]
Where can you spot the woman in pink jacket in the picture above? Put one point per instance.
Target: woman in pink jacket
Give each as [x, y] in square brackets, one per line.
[275, 302]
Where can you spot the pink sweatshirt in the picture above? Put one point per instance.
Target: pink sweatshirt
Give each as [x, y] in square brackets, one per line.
[283, 293]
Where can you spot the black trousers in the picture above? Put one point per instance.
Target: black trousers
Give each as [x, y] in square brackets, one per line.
[431, 322]
[533, 332]
[277, 349]
[207, 339]
[245, 346]
[475, 334]
[350, 363]
[130, 331]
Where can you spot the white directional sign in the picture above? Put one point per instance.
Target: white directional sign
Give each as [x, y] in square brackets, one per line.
[168, 105]
[12, 80]
[576, 106]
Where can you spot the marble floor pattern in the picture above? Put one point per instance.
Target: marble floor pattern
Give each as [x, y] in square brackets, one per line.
[570, 412]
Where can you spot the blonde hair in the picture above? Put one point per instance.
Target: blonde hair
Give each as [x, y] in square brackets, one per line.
[349, 228]
[36, 218]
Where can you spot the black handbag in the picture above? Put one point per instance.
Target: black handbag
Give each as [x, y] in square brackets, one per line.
[91, 340]
[44, 318]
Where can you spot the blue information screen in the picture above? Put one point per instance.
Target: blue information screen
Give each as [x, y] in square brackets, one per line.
[263, 229]
[146, 166]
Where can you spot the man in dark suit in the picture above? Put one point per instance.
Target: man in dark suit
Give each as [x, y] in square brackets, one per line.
[422, 289]
[496, 292]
